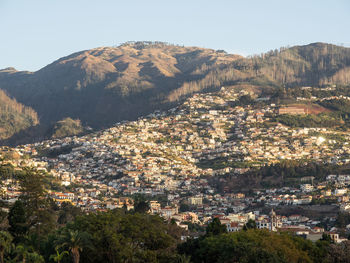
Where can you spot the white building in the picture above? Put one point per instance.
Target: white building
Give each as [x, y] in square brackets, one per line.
[306, 188]
[272, 223]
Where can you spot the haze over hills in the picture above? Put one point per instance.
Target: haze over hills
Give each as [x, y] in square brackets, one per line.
[105, 85]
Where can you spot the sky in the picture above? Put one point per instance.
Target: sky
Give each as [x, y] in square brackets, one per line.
[34, 33]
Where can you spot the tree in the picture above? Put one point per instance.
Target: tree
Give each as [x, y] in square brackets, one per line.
[120, 237]
[343, 219]
[21, 253]
[215, 228]
[5, 244]
[75, 241]
[182, 259]
[67, 213]
[141, 207]
[339, 252]
[253, 245]
[326, 237]
[17, 221]
[33, 193]
[39, 214]
[250, 225]
[184, 207]
[35, 258]
[58, 256]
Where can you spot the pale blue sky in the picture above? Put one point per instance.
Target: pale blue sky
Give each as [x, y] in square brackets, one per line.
[34, 33]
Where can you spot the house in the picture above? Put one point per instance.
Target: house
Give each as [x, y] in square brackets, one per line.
[291, 110]
[306, 188]
[233, 227]
[195, 200]
[168, 211]
[154, 207]
[339, 192]
[59, 197]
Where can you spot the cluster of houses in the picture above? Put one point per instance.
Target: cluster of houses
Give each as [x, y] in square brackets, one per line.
[173, 153]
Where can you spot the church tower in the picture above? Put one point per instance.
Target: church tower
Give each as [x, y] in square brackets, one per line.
[274, 222]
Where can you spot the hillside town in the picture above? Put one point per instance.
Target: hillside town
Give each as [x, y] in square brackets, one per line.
[170, 156]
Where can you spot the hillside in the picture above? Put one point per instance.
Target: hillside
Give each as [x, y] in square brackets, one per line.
[105, 85]
[14, 116]
[314, 64]
[67, 127]
[310, 65]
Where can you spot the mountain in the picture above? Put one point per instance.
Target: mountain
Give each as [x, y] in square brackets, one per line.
[105, 85]
[311, 65]
[315, 64]
[14, 116]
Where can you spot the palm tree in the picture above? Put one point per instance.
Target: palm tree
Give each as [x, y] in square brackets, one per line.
[58, 257]
[35, 258]
[5, 244]
[26, 253]
[183, 259]
[75, 241]
[22, 253]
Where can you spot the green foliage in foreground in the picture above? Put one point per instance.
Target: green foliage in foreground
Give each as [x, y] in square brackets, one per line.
[39, 231]
[254, 246]
[119, 237]
[116, 236]
[112, 236]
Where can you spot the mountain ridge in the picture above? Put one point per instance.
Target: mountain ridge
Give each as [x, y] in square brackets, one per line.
[104, 85]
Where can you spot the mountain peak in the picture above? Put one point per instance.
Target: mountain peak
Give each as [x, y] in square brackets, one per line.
[104, 85]
[146, 44]
[9, 69]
